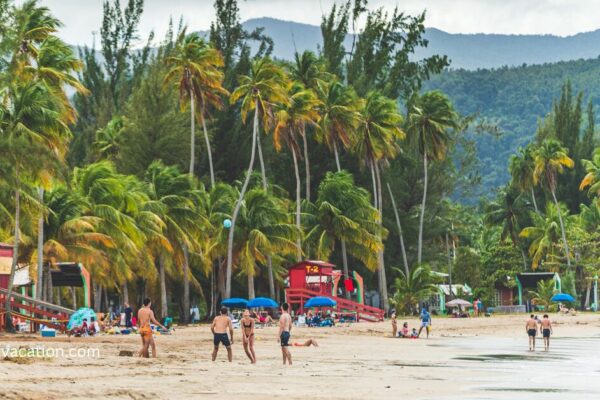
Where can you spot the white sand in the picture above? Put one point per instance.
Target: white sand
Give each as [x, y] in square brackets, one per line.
[352, 362]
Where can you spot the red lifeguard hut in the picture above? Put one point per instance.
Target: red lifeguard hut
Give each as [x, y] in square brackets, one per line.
[311, 278]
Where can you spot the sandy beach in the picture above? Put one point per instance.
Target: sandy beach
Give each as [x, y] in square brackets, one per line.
[464, 358]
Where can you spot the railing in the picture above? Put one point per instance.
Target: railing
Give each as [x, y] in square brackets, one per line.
[35, 311]
[300, 296]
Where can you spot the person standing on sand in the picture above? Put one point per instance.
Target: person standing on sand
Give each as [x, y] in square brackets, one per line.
[219, 328]
[546, 327]
[394, 325]
[248, 336]
[425, 322]
[531, 328]
[285, 329]
[145, 317]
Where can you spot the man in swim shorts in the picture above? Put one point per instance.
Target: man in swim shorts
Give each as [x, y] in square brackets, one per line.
[145, 317]
[285, 329]
[531, 328]
[219, 327]
[546, 327]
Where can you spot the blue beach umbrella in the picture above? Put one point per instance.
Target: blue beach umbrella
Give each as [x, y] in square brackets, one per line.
[262, 302]
[235, 302]
[567, 298]
[320, 302]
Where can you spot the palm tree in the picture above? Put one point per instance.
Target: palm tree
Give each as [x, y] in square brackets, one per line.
[592, 177]
[338, 109]
[379, 132]
[309, 70]
[507, 210]
[550, 159]
[418, 285]
[544, 293]
[292, 119]
[544, 234]
[172, 196]
[198, 69]
[259, 92]
[263, 230]
[343, 214]
[521, 169]
[109, 138]
[430, 116]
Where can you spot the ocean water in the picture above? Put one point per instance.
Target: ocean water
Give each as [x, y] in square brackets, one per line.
[503, 368]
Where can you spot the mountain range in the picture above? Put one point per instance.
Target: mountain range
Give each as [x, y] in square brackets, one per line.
[466, 51]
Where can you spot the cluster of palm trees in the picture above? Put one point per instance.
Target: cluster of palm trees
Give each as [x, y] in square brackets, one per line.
[165, 226]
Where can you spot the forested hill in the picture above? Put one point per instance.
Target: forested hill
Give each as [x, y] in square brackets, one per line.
[515, 98]
[469, 51]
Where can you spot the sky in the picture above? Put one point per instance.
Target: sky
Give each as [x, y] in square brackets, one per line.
[558, 17]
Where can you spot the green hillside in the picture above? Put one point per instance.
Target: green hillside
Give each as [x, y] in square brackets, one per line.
[515, 98]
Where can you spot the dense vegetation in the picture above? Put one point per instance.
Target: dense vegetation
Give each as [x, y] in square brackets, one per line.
[313, 158]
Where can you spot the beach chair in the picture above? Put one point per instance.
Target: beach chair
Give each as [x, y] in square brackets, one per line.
[301, 321]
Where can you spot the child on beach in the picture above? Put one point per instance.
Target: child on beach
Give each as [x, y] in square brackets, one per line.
[404, 332]
[394, 325]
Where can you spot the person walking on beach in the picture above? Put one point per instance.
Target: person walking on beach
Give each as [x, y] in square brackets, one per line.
[425, 322]
[546, 327]
[532, 329]
[285, 329]
[248, 336]
[394, 325]
[145, 317]
[219, 328]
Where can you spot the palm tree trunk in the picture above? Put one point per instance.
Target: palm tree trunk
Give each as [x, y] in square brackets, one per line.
[213, 291]
[262, 164]
[186, 285]
[250, 275]
[401, 237]
[298, 204]
[13, 267]
[306, 164]
[164, 311]
[208, 147]
[337, 157]
[420, 242]
[74, 297]
[562, 229]
[449, 267]
[374, 182]
[125, 291]
[345, 263]
[193, 135]
[384, 292]
[236, 209]
[40, 249]
[271, 277]
[97, 296]
[587, 294]
[537, 211]
[524, 260]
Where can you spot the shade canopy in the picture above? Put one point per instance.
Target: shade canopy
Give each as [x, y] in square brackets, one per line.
[77, 318]
[458, 303]
[262, 302]
[320, 301]
[563, 297]
[235, 302]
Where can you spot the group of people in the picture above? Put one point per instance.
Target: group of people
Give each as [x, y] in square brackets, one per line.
[86, 329]
[532, 329]
[404, 332]
[222, 329]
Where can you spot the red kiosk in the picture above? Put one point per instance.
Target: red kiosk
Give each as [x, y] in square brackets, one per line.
[311, 278]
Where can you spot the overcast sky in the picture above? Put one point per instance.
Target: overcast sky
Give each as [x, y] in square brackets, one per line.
[558, 17]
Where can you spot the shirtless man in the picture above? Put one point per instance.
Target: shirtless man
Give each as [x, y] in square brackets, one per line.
[546, 327]
[219, 328]
[285, 329]
[145, 317]
[532, 329]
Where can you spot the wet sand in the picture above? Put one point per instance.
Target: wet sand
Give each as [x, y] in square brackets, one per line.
[483, 358]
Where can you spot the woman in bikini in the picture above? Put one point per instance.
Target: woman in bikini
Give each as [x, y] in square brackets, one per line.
[248, 335]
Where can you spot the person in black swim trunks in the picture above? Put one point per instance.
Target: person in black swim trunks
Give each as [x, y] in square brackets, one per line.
[546, 327]
[285, 328]
[248, 336]
[219, 328]
[532, 329]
